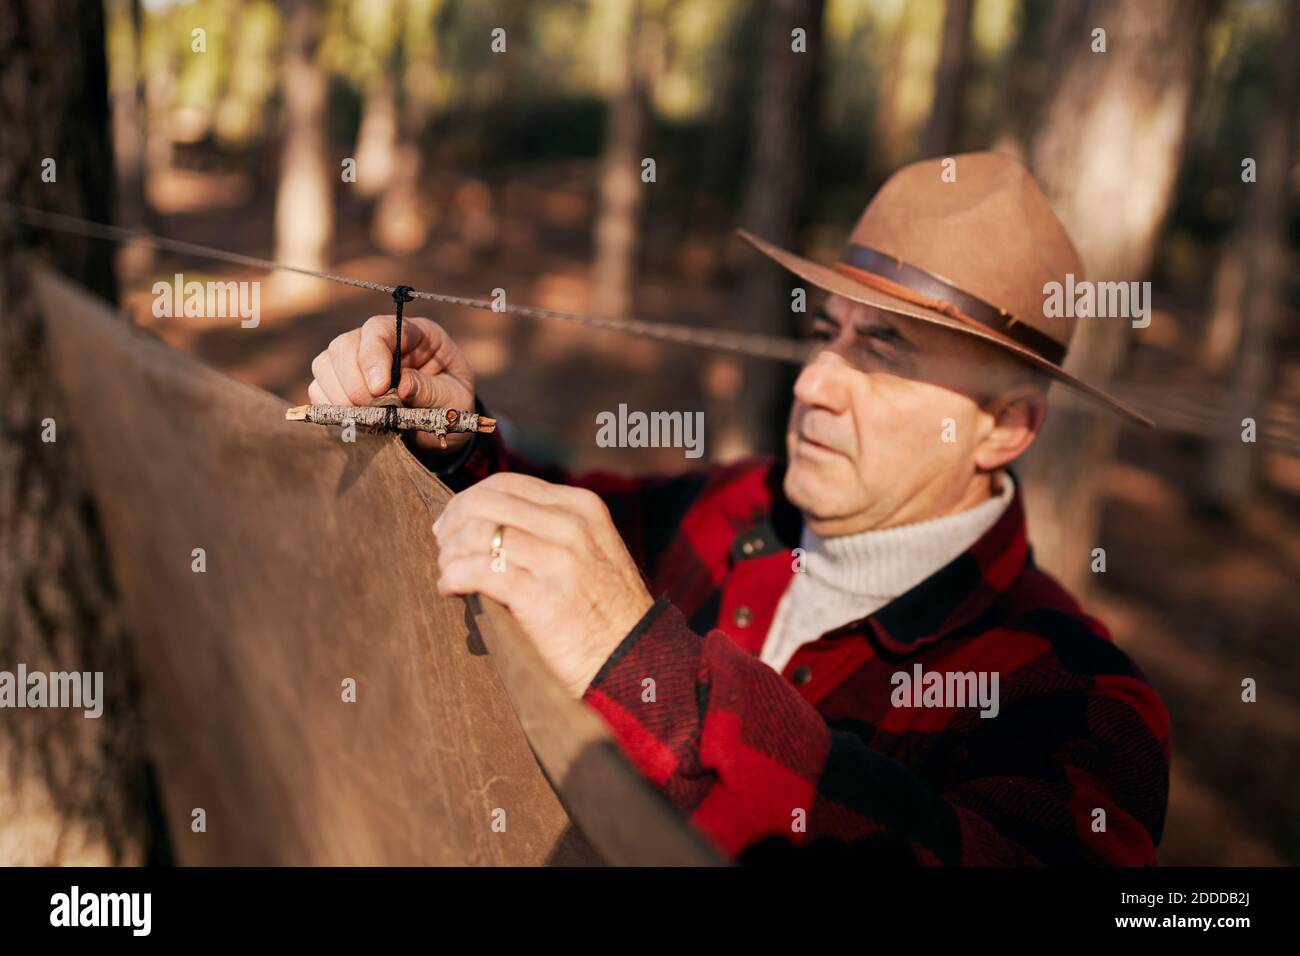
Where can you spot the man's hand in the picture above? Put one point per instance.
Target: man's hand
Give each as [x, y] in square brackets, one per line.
[562, 571]
[357, 368]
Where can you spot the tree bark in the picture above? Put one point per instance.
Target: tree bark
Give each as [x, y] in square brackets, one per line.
[943, 128]
[403, 214]
[1108, 154]
[1024, 93]
[304, 205]
[401, 222]
[159, 60]
[621, 189]
[377, 135]
[785, 121]
[72, 790]
[126, 88]
[1251, 285]
[128, 113]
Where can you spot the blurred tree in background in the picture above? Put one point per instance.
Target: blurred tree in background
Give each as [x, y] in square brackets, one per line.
[942, 130]
[776, 193]
[1107, 150]
[1251, 282]
[304, 209]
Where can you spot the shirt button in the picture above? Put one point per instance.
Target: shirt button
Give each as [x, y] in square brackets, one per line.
[743, 616]
[802, 675]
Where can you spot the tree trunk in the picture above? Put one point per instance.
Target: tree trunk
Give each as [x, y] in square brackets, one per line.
[72, 790]
[376, 146]
[404, 215]
[943, 129]
[127, 96]
[377, 135]
[159, 90]
[785, 121]
[1027, 73]
[893, 137]
[401, 220]
[621, 188]
[1108, 154]
[1251, 285]
[304, 205]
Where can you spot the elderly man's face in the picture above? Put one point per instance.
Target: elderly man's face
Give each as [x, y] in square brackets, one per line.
[896, 421]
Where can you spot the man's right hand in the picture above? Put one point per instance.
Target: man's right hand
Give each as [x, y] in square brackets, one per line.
[357, 368]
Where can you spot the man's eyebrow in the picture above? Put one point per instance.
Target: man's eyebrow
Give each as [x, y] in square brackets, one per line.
[868, 327]
[875, 325]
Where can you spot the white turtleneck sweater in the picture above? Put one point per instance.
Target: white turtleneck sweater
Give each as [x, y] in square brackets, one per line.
[849, 577]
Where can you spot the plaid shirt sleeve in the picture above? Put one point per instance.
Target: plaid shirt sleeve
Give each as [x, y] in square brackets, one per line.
[756, 768]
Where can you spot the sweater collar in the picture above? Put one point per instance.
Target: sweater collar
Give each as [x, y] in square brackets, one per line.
[961, 590]
[884, 564]
[947, 599]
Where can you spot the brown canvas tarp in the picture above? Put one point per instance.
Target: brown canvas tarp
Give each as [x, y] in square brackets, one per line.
[320, 567]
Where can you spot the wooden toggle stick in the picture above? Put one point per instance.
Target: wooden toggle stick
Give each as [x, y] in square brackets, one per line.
[388, 412]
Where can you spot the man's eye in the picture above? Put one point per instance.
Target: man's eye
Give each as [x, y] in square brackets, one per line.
[821, 334]
[884, 333]
[884, 343]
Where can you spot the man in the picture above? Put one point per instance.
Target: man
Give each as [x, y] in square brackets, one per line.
[851, 651]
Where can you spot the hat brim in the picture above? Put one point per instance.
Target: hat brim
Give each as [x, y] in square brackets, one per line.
[837, 283]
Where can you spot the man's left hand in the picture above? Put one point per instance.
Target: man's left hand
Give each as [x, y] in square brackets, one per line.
[562, 570]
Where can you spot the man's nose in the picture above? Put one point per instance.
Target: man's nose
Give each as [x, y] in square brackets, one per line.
[823, 382]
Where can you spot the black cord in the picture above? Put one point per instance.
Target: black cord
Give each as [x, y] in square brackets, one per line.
[401, 295]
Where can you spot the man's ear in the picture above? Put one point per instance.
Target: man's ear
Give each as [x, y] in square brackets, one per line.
[1015, 418]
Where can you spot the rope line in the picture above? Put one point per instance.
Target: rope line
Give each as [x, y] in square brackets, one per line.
[1196, 417]
[750, 344]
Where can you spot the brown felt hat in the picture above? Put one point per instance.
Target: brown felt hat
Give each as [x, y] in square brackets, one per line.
[971, 254]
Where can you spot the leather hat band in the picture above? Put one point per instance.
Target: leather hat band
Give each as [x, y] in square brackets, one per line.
[887, 274]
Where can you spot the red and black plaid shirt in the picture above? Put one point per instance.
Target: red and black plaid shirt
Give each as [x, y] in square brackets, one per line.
[815, 762]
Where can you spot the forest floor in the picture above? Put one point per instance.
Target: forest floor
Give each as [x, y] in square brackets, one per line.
[1200, 602]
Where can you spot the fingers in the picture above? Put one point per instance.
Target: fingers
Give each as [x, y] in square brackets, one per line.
[421, 339]
[375, 352]
[362, 359]
[581, 502]
[525, 486]
[519, 548]
[343, 357]
[356, 367]
[436, 353]
[488, 504]
[476, 537]
[473, 574]
[327, 381]
[514, 576]
[427, 391]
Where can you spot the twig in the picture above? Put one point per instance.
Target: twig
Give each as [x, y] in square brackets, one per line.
[439, 421]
